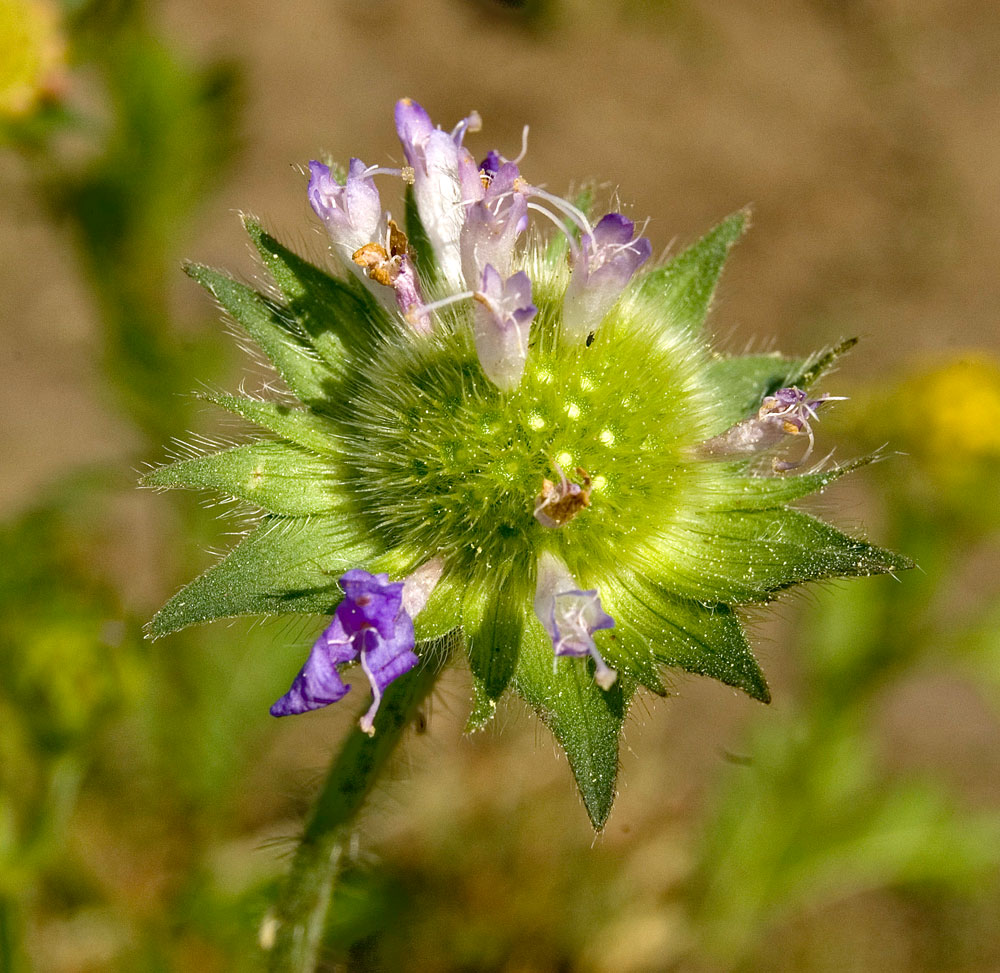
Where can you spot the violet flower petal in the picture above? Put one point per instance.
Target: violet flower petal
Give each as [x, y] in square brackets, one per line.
[605, 262]
[502, 325]
[571, 616]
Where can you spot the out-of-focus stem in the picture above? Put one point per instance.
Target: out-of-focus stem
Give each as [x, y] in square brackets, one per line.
[299, 918]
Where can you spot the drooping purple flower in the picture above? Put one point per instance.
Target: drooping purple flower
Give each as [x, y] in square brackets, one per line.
[603, 265]
[373, 625]
[571, 616]
[503, 315]
[434, 156]
[493, 223]
[788, 412]
[351, 212]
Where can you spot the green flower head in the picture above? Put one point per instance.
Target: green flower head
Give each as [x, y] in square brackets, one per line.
[520, 445]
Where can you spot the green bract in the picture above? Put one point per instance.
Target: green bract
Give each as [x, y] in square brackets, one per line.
[400, 449]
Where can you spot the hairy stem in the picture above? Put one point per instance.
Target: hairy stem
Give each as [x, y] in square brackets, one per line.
[300, 914]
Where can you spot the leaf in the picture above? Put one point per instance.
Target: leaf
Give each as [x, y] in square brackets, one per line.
[585, 719]
[300, 426]
[333, 315]
[268, 325]
[279, 477]
[494, 621]
[284, 565]
[767, 492]
[684, 287]
[745, 556]
[706, 639]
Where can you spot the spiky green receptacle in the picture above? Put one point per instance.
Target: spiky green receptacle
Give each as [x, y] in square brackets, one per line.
[402, 450]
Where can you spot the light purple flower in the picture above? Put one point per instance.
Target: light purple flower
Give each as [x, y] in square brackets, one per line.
[352, 213]
[604, 263]
[571, 616]
[493, 222]
[787, 412]
[373, 625]
[503, 315]
[434, 157]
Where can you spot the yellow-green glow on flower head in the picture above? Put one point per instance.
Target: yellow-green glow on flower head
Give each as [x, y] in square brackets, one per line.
[32, 53]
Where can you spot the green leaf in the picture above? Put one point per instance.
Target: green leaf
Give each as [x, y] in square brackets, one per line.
[767, 492]
[333, 315]
[278, 477]
[284, 565]
[704, 639]
[271, 330]
[684, 287]
[494, 621]
[745, 556]
[585, 719]
[300, 426]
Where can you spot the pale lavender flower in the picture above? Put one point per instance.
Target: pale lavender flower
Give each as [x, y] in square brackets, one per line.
[503, 315]
[603, 265]
[373, 625]
[571, 616]
[434, 157]
[498, 215]
[352, 213]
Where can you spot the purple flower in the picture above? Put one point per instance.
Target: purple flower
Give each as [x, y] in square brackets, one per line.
[603, 265]
[785, 413]
[373, 625]
[503, 315]
[352, 212]
[434, 157]
[571, 616]
[493, 222]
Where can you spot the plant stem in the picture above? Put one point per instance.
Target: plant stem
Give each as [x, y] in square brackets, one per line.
[301, 911]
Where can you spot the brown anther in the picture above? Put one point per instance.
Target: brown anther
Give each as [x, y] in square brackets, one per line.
[398, 244]
[376, 262]
[558, 503]
[790, 428]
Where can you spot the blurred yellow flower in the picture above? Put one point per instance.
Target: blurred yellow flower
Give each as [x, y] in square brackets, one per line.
[953, 411]
[32, 54]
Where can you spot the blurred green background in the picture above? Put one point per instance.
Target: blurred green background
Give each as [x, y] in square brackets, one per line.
[149, 804]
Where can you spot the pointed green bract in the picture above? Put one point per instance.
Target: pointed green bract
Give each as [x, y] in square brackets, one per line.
[271, 328]
[767, 492]
[744, 556]
[300, 426]
[706, 639]
[278, 477]
[585, 719]
[283, 565]
[494, 621]
[684, 287]
[336, 317]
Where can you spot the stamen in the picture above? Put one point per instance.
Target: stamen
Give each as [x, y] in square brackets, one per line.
[451, 299]
[524, 146]
[564, 205]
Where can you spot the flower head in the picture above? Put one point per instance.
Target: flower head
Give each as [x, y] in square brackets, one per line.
[427, 432]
